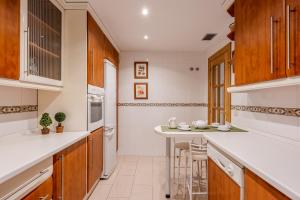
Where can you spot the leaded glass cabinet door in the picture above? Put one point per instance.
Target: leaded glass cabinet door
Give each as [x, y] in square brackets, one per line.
[43, 28]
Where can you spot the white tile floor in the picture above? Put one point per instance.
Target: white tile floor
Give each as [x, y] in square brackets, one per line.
[137, 178]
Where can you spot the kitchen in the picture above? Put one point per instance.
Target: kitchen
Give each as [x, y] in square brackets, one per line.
[120, 80]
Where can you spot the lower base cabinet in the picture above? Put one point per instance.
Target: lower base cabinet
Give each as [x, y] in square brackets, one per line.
[220, 185]
[43, 192]
[256, 188]
[70, 172]
[95, 157]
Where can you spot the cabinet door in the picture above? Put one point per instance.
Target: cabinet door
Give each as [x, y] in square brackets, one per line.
[293, 37]
[220, 185]
[260, 40]
[95, 157]
[43, 192]
[43, 37]
[256, 188]
[10, 39]
[95, 53]
[92, 48]
[70, 172]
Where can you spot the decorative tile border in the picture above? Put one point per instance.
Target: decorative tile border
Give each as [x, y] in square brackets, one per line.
[18, 109]
[163, 104]
[268, 110]
[295, 112]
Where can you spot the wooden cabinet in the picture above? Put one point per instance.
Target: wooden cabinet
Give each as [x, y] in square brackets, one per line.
[31, 48]
[293, 37]
[95, 53]
[260, 40]
[111, 53]
[95, 157]
[256, 188]
[220, 185]
[99, 48]
[10, 39]
[43, 192]
[70, 172]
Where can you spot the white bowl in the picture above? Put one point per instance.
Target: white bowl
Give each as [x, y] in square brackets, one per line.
[184, 126]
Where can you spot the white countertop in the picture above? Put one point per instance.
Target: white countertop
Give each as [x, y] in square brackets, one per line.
[19, 152]
[274, 160]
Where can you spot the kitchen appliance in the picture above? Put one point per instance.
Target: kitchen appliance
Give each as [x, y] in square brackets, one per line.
[110, 121]
[22, 184]
[231, 168]
[95, 107]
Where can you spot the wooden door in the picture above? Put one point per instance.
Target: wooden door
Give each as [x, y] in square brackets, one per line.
[260, 40]
[220, 185]
[70, 172]
[92, 50]
[10, 39]
[95, 157]
[256, 188]
[43, 192]
[99, 72]
[293, 37]
[219, 79]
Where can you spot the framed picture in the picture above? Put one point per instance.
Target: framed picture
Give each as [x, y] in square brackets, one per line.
[141, 70]
[140, 90]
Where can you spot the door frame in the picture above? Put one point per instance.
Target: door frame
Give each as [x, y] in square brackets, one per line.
[223, 55]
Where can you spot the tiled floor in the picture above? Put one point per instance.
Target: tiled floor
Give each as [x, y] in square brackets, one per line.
[137, 178]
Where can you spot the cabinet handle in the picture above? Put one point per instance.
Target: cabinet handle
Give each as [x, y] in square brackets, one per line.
[92, 157]
[26, 46]
[93, 64]
[62, 177]
[288, 35]
[44, 197]
[272, 45]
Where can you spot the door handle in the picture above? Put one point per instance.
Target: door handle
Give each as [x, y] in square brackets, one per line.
[272, 44]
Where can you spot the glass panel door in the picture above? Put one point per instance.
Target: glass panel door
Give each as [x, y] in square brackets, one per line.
[44, 39]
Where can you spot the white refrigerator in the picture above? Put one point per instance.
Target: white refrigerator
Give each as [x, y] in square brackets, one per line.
[110, 119]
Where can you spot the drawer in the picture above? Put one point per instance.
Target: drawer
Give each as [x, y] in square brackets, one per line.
[43, 192]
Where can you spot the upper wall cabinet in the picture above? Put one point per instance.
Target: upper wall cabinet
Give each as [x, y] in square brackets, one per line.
[95, 72]
[41, 41]
[9, 39]
[260, 40]
[31, 41]
[293, 37]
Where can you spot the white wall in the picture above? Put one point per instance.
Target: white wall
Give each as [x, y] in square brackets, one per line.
[286, 127]
[72, 100]
[15, 122]
[170, 81]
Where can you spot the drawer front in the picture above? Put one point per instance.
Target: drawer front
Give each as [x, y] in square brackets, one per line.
[43, 192]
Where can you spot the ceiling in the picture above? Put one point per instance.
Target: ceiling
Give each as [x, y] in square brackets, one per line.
[172, 25]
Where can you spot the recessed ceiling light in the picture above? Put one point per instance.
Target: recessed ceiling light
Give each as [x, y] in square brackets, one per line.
[145, 11]
[146, 37]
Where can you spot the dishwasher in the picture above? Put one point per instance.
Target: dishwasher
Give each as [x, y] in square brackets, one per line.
[225, 176]
[22, 184]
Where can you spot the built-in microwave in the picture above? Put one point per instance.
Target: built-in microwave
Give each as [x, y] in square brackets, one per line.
[95, 107]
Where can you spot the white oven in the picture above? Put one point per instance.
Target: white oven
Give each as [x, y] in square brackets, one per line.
[95, 107]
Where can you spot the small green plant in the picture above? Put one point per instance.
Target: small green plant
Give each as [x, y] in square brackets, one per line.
[60, 117]
[45, 120]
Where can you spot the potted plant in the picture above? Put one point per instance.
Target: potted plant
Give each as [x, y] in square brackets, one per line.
[60, 117]
[45, 122]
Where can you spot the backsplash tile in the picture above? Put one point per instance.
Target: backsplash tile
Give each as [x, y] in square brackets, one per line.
[18, 109]
[268, 110]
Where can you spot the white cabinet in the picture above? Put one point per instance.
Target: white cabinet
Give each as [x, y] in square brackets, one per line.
[41, 49]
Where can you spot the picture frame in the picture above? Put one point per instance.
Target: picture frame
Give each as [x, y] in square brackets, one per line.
[140, 90]
[141, 70]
